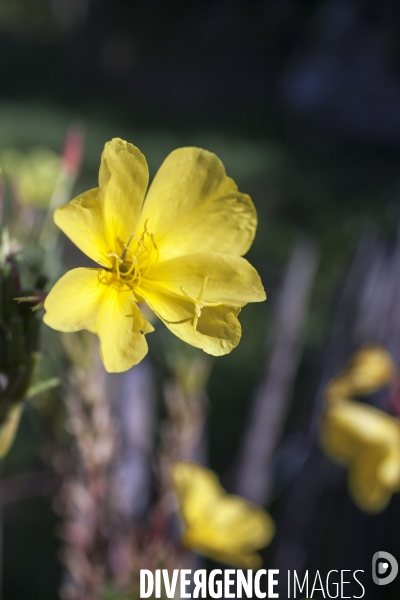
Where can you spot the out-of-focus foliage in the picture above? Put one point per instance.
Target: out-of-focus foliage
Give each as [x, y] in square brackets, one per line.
[46, 19]
[18, 341]
[9, 428]
[33, 175]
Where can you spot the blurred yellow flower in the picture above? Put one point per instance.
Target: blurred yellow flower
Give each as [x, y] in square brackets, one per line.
[364, 438]
[369, 369]
[180, 253]
[368, 442]
[223, 527]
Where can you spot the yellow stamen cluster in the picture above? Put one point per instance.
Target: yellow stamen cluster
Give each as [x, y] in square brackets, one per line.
[129, 271]
[126, 267]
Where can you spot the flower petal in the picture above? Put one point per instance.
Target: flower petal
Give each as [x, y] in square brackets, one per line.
[85, 299]
[368, 440]
[223, 527]
[252, 527]
[75, 300]
[196, 489]
[121, 328]
[192, 205]
[82, 221]
[349, 425]
[101, 220]
[227, 279]
[123, 180]
[368, 492]
[369, 369]
[218, 330]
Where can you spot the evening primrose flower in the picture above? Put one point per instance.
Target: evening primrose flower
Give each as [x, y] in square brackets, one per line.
[359, 436]
[367, 440]
[369, 369]
[181, 253]
[223, 527]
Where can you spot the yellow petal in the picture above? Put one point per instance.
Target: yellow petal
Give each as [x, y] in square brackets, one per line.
[75, 300]
[339, 432]
[9, 429]
[102, 220]
[196, 489]
[226, 279]
[369, 369]
[82, 221]
[239, 524]
[123, 180]
[218, 330]
[365, 486]
[368, 440]
[223, 527]
[348, 424]
[121, 329]
[389, 469]
[85, 299]
[193, 206]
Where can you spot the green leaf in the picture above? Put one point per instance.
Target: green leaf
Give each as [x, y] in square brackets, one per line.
[9, 429]
[42, 386]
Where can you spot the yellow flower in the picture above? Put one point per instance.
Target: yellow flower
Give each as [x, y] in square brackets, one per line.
[223, 527]
[365, 439]
[180, 253]
[369, 369]
[368, 442]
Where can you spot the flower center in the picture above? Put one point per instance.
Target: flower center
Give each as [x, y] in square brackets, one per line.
[135, 261]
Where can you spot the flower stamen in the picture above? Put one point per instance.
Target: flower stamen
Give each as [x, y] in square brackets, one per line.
[118, 262]
[198, 302]
[127, 266]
